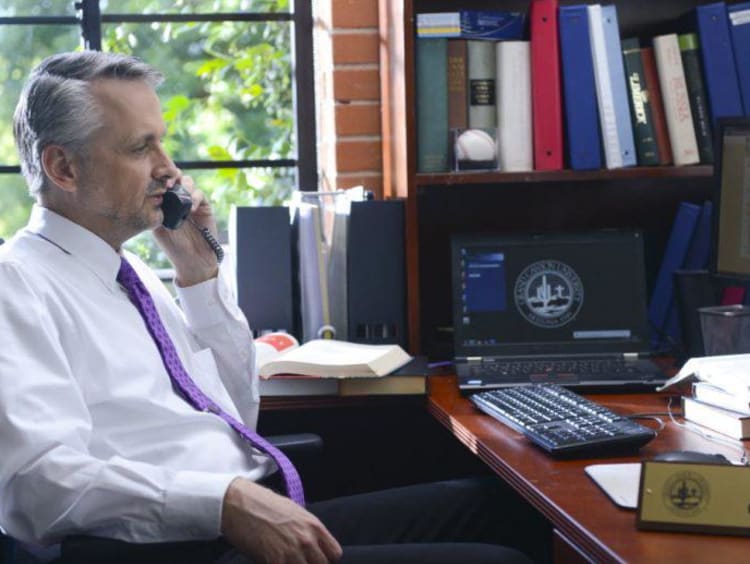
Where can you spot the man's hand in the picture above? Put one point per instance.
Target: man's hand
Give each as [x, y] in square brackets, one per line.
[270, 528]
[192, 257]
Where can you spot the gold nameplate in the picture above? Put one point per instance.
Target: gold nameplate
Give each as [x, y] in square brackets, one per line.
[702, 498]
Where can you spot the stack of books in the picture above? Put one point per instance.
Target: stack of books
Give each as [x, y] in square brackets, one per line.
[718, 409]
[718, 396]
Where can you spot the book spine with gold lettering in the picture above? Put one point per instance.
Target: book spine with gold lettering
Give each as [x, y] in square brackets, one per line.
[640, 105]
[458, 95]
[481, 75]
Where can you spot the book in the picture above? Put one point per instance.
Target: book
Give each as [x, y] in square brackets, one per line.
[730, 372]
[724, 421]
[409, 379]
[676, 100]
[481, 69]
[458, 94]
[696, 89]
[718, 397]
[722, 83]
[739, 26]
[546, 89]
[579, 88]
[432, 105]
[472, 24]
[270, 346]
[662, 296]
[394, 384]
[286, 385]
[513, 84]
[611, 94]
[657, 106]
[640, 104]
[616, 67]
[329, 358]
[733, 295]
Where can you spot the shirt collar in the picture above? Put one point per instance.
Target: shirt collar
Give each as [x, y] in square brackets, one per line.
[95, 253]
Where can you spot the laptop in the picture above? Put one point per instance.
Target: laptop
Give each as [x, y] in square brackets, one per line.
[564, 308]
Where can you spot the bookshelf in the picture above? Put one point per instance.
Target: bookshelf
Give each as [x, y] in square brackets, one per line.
[440, 204]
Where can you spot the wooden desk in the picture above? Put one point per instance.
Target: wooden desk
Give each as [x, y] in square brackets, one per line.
[588, 526]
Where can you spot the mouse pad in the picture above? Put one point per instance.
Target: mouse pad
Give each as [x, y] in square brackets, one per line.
[619, 481]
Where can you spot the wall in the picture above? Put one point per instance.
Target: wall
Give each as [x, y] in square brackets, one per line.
[348, 94]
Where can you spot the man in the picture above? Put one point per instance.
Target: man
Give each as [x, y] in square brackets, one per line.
[99, 429]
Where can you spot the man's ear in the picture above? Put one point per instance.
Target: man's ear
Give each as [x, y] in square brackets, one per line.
[60, 168]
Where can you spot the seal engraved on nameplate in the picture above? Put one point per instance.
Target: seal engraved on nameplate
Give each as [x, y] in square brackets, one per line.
[686, 494]
[549, 293]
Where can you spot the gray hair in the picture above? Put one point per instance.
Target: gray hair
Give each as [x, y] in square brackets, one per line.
[57, 107]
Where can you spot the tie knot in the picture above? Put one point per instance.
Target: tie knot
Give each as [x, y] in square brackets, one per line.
[127, 275]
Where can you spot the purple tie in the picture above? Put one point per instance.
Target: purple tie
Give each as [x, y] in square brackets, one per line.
[181, 379]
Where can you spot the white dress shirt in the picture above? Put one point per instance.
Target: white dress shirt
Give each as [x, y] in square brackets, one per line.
[93, 438]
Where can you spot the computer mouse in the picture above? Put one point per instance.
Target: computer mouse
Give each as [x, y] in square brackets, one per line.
[690, 456]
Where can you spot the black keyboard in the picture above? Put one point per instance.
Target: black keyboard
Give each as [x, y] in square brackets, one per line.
[562, 422]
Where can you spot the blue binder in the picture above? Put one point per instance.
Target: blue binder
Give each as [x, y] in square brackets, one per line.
[579, 88]
[699, 251]
[696, 259]
[619, 87]
[718, 61]
[739, 25]
[662, 297]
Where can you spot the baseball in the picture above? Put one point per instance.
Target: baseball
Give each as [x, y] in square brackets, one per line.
[475, 145]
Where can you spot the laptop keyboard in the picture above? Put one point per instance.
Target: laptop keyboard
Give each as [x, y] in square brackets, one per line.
[561, 421]
[560, 367]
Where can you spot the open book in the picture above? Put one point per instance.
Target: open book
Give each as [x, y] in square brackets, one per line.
[730, 373]
[326, 358]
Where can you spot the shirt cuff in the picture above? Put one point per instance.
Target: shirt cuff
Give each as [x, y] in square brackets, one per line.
[208, 303]
[194, 503]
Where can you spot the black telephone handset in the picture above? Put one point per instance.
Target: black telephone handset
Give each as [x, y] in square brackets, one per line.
[175, 205]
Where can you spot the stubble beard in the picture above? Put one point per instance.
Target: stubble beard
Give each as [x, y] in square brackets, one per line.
[125, 223]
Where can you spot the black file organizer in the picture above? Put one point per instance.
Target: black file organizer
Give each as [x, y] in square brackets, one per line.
[264, 244]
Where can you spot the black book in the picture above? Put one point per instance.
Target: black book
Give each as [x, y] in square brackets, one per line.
[640, 105]
[697, 95]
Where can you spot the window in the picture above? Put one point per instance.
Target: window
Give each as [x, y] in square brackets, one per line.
[237, 99]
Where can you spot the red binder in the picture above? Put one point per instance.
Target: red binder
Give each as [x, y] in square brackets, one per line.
[546, 98]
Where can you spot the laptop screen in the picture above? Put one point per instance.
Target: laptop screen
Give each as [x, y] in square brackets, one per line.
[534, 294]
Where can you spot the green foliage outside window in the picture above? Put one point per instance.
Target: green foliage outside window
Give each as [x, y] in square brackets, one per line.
[228, 95]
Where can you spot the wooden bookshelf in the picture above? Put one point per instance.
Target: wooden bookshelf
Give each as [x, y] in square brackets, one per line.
[439, 205]
[455, 178]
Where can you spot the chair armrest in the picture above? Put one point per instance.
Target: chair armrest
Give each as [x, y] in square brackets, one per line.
[297, 443]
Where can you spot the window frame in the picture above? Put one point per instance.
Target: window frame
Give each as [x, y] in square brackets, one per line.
[90, 18]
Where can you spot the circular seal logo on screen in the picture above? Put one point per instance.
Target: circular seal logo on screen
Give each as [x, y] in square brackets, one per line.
[686, 493]
[549, 293]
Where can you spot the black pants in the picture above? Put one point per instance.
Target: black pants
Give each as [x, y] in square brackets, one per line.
[462, 521]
